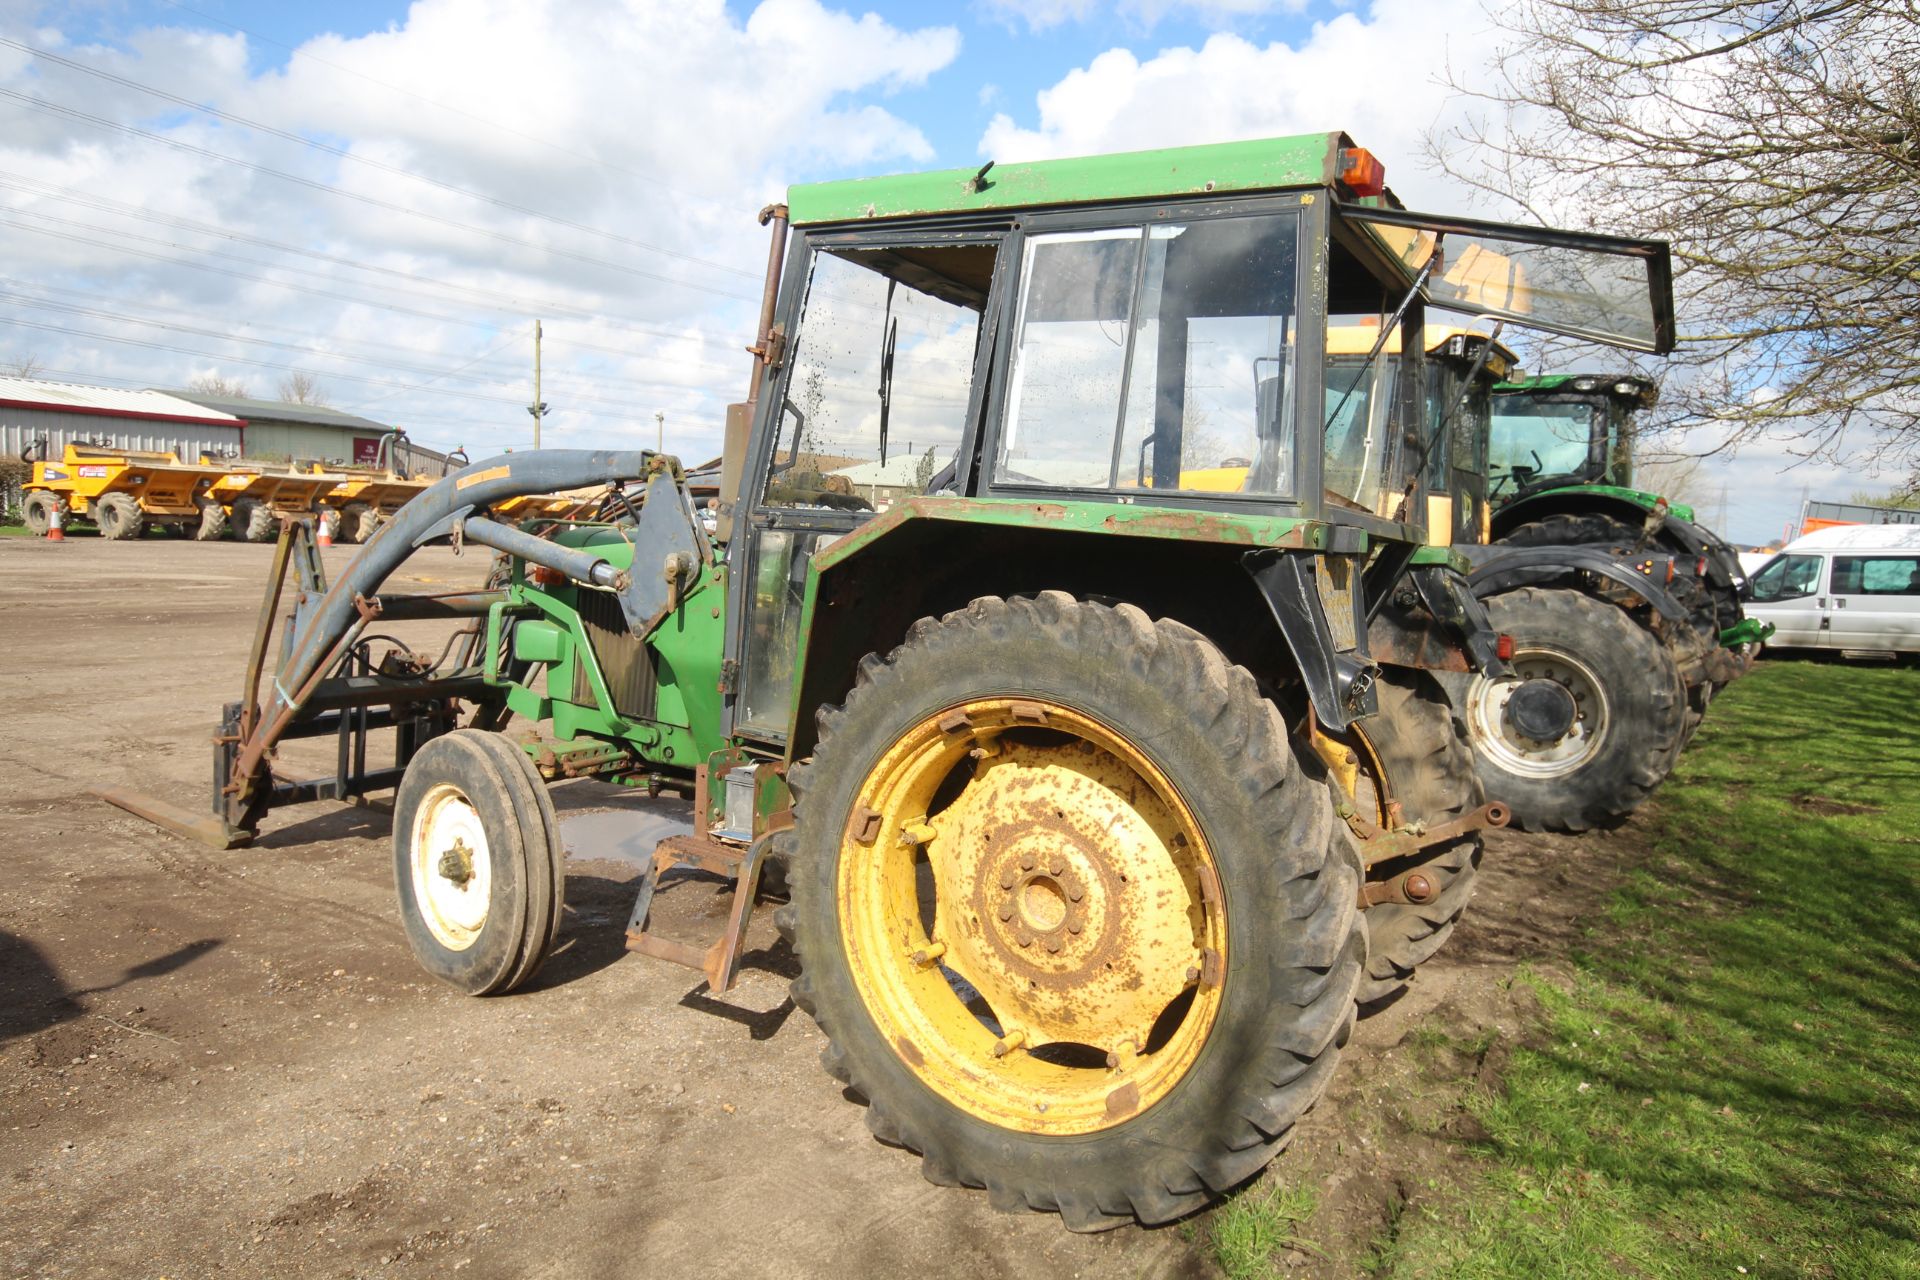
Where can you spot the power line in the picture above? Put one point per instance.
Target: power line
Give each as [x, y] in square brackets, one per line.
[42, 104]
[105, 204]
[370, 162]
[285, 368]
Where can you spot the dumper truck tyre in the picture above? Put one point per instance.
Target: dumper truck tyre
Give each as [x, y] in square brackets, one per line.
[1624, 699]
[213, 521]
[354, 523]
[37, 511]
[119, 517]
[253, 520]
[369, 524]
[1072, 917]
[1422, 749]
[476, 854]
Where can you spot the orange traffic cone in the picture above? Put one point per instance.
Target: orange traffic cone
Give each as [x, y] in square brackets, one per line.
[54, 532]
[325, 537]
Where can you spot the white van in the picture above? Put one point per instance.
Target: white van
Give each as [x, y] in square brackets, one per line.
[1853, 588]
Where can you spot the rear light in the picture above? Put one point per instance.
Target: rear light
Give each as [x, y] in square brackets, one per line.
[1669, 570]
[542, 576]
[1503, 647]
[1700, 568]
[1361, 173]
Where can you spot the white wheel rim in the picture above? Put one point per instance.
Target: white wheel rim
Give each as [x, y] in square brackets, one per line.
[452, 867]
[1495, 736]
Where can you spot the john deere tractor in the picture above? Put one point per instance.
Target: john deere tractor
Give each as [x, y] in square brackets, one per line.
[1624, 613]
[1106, 765]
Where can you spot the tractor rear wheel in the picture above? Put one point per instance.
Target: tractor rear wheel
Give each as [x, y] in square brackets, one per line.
[1063, 953]
[119, 517]
[478, 863]
[253, 520]
[1590, 721]
[213, 521]
[1422, 750]
[38, 512]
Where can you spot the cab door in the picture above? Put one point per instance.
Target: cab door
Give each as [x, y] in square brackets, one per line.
[1790, 592]
[1873, 602]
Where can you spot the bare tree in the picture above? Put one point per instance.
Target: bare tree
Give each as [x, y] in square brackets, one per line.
[215, 384]
[23, 366]
[303, 388]
[1777, 146]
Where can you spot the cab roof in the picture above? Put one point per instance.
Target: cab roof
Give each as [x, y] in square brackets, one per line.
[1641, 392]
[1268, 164]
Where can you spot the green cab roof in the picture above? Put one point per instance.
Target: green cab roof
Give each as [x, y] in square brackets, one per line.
[1642, 392]
[1269, 164]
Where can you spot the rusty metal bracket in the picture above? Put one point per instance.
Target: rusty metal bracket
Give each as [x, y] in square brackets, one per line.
[1377, 845]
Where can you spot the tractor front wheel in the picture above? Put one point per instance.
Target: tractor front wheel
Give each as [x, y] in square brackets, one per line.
[477, 862]
[1071, 916]
[1589, 722]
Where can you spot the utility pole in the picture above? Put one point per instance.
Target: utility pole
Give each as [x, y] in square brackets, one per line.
[539, 407]
[660, 429]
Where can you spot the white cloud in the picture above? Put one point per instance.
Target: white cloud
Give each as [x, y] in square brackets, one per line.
[664, 122]
[1377, 76]
[1040, 15]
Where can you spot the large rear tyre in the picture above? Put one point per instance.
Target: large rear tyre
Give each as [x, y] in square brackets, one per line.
[478, 863]
[213, 521]
[1422, 749]
[119, 517]
[253, 520]
[1626, 699]
[1064, 953]
[38, 509]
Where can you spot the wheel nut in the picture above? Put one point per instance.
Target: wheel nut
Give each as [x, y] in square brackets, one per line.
[1027, 861]
[1006, 913]
[1058, 866]
[1419, 888]
[1025, 939]
[1007, 878]
[1053, 946]
[1075, 892]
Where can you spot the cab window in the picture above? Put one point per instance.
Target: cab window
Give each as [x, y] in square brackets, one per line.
[1787, 578]
[1876, 576]
[1155, 357]
[881, 373]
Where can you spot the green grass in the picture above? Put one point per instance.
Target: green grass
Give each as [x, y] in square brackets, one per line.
[1252, 1229]
[1731, 1081]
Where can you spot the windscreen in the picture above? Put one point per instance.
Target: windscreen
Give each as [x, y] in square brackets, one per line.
[1534, 439]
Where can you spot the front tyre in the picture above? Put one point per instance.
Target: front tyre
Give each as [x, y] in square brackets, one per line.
[1625, 709]
[1071, 916]
[477, 861]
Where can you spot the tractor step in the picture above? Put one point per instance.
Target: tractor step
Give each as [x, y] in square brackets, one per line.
[740, 864]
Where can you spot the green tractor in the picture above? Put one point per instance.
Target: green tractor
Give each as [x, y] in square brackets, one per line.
[1625, 613]
[1064, 630]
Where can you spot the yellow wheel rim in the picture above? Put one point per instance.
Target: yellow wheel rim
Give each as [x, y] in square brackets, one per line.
[1032, 916]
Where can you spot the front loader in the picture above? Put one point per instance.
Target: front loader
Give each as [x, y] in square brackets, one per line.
[1107, 766]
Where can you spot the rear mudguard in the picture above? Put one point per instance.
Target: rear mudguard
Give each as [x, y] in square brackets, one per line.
[1501, 568]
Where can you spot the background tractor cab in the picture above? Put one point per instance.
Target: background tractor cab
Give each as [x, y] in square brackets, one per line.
[1561, 469]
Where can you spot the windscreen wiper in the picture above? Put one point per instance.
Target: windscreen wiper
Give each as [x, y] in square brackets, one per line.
[1386, 331]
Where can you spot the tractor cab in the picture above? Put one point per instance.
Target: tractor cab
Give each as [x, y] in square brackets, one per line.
[1135, 345]
[1562, 431]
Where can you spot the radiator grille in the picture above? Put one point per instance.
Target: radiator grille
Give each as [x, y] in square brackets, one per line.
[626, 663]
